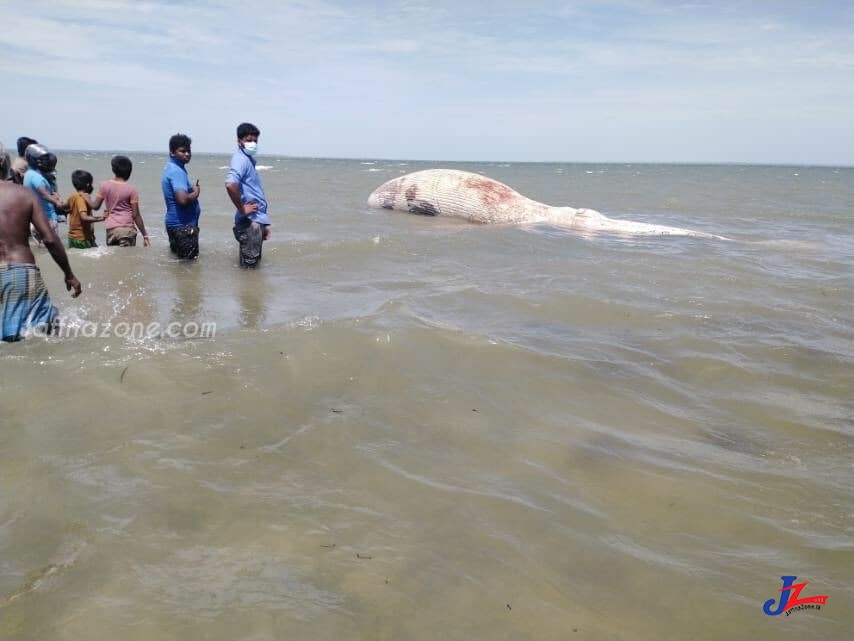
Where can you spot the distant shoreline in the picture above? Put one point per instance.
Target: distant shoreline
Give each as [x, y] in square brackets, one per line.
[483, 162]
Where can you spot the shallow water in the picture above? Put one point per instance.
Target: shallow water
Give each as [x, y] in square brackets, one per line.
[413, 428]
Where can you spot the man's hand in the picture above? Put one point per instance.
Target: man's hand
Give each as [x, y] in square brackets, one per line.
[249, 208]
[146, 242]
[73, 285]
[268, 231]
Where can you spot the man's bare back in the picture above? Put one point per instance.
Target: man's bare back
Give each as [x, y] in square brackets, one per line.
[19, 207]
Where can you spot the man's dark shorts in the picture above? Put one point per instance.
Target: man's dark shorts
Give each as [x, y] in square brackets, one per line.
[250, 235]
[184, 241]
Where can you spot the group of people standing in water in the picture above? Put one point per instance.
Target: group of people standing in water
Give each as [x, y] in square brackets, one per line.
[34, 207]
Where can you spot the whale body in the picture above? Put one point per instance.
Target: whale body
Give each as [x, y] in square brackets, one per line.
[479, 199]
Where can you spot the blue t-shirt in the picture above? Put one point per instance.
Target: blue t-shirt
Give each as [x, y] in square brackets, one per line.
[241, 170]
[34, 179]
[175, 178]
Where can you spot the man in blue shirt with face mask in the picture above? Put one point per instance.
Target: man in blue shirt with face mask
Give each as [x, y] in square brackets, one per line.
[243, 184]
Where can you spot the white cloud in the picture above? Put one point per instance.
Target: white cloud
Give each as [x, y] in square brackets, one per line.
[336, 75]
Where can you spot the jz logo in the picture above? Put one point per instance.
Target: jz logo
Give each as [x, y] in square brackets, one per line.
[790, 601]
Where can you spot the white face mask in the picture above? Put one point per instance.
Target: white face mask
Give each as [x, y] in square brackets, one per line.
[250, 148]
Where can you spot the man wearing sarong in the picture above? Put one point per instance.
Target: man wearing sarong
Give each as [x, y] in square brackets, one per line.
[24, 303]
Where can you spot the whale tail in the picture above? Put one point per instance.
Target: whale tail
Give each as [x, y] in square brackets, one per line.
[590, 220]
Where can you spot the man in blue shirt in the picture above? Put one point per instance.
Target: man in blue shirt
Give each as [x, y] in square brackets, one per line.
[41, 178]
[182, 199]
[243, 184]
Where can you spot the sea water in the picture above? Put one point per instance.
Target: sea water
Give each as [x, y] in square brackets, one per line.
[406, 427]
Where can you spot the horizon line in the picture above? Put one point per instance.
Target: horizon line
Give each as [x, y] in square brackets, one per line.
[518, 162]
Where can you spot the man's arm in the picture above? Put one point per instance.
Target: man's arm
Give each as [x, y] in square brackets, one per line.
[96, 201]
[85, 213]
[54, 198]
[247, 209]
[140, 224]
[54, 246]
[86, 218]
[184, 198]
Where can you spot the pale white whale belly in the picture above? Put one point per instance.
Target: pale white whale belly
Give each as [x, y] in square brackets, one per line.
[479, 199]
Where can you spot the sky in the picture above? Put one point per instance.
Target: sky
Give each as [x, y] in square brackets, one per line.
[498, 80]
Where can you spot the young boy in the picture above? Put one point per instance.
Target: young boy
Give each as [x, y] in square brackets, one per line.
[122, 217]
[81, 233]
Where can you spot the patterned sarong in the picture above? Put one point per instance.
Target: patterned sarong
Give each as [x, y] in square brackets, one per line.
[250, 235]
[184, 241]
[24, 303]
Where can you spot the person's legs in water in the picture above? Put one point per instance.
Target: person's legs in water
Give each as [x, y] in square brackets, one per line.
[184, 241]
[250, 235]
[121, 236]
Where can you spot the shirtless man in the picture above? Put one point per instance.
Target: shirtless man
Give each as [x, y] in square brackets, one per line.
[24, 303]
